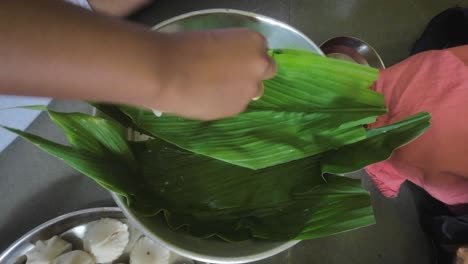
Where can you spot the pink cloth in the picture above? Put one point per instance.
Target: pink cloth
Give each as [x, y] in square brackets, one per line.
[436, 82]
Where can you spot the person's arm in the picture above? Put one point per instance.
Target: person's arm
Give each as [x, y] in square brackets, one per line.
[118, 8]
[50, 48]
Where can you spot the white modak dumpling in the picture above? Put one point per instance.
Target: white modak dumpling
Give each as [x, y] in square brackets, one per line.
[46, 251]
[148, 252]
[106, 239]
[74, 257]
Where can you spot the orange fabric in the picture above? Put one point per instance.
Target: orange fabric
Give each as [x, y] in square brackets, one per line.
[461, 52]
[436, 82]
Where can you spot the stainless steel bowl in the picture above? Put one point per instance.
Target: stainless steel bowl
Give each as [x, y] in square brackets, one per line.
[72, 227]
[69, 226]
[352, 49]
[278, 35]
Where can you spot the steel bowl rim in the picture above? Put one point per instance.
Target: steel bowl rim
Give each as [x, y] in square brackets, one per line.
[51, 222]
[360, 40]
[237, 12]
[193, 255]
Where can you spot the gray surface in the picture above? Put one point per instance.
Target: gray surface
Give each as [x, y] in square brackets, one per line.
[389, 26]
[36, 187]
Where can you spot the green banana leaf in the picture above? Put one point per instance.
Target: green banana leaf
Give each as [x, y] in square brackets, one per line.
[381, 140]
[212, 196]
[314, 104]
[208, 197]
[106, 171]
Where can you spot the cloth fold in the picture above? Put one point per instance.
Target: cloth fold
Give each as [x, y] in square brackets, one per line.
[435, 82]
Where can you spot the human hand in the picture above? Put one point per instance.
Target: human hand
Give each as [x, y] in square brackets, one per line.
[210, 74]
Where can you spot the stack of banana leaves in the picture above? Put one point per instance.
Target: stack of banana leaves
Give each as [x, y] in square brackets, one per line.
[273, 172]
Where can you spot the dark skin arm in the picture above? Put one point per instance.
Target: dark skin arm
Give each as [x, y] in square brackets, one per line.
[50, 48]
[119, 8]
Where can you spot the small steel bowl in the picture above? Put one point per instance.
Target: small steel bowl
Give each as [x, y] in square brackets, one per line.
[71, 227]
[352, 49]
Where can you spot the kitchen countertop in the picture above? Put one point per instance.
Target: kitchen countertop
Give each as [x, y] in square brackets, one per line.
[36, 187]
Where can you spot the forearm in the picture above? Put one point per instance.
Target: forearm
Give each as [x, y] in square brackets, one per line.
[117, 7]
[50, 48]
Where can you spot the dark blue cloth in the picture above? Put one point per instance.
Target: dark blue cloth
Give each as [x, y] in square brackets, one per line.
[447, 29]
